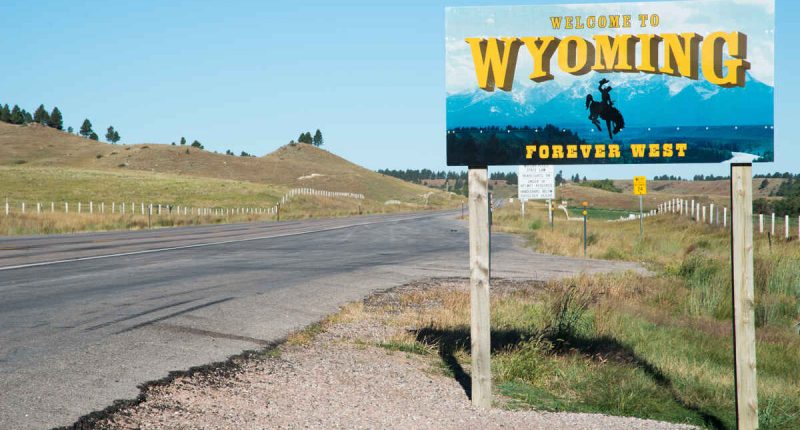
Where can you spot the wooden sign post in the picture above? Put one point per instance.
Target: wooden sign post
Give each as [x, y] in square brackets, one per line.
[480, 271]
[744, 330]
[584, 213]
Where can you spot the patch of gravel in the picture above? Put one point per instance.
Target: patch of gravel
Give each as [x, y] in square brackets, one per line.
[339, 380]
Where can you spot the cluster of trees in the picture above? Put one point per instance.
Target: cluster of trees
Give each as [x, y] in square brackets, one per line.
[510, 178]
[53, 119]
[112, 135]
[601, 184]
[560, 178]
[243, 154]
[417, 175]
[456, 181]
[306, 137]
[778, 175]
[195, 144]
[16, 115]
[668, 178]
[86, 130]
[788, 205]
[709, 178]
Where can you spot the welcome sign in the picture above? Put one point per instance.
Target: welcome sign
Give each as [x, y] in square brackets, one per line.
[613, 83]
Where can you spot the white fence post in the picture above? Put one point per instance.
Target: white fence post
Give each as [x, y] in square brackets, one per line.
[772, 226]
[38, 208]
[711, 213]
[725, 216]
[23, 207]
[66, 207]
[761, 223]
[786, 227]
[52, 207]
[6, 206]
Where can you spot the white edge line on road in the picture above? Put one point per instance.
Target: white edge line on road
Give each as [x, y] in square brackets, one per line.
[200, 245]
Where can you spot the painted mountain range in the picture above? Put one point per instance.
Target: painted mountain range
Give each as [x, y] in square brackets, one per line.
[645, 101]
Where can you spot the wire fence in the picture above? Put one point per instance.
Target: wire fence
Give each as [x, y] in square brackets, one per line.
[92, 207]
[777, 226]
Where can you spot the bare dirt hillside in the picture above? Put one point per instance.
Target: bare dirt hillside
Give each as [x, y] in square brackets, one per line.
[297, 165]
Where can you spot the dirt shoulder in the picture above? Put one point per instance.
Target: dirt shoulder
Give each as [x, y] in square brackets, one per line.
[353, 370]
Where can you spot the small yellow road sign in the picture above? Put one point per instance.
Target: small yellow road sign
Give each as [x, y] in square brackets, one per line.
[639, 185]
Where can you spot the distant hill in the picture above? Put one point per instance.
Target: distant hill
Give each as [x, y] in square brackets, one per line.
[298, 165]
[717, 192]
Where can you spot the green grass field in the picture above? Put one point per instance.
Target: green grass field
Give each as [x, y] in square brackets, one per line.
[654, 347]
[32, 185]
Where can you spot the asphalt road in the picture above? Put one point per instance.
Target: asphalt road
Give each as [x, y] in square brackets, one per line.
[86, 318]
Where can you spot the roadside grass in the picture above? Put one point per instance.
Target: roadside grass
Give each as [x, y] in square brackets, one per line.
[661, 346]
[611, 344]
[33, 185]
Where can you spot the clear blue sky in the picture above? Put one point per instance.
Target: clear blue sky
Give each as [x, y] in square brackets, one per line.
[251, 75]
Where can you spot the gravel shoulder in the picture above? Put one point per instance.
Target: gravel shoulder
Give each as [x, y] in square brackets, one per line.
[336, 375]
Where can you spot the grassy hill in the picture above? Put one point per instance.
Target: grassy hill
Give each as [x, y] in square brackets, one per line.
[42, 165]
[717, 192]
[298, 165]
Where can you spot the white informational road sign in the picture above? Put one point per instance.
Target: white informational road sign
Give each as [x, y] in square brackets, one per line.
[536, 183]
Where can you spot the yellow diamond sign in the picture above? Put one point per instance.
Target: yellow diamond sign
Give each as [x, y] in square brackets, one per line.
[639, 185]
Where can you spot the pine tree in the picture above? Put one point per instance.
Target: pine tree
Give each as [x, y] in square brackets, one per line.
[86, 128]
[94, 136]
[70, 130]
[16, 115]
[41, 116]
[317, 139]
[27, 118]
[116, 136]
[110, 134]
[197, 144]
[183, 140]
[5, 114]
[56, 120]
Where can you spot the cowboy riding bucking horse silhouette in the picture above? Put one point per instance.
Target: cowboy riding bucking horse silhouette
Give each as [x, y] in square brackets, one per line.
[605, 110]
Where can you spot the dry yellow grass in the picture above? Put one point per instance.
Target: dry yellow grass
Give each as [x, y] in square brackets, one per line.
[290, 166]
[56, 223]
[43, 165]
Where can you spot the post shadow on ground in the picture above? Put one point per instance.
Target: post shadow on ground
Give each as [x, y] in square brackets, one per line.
[450, 341]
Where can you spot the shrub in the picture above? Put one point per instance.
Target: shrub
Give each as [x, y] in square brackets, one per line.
[565, 311]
